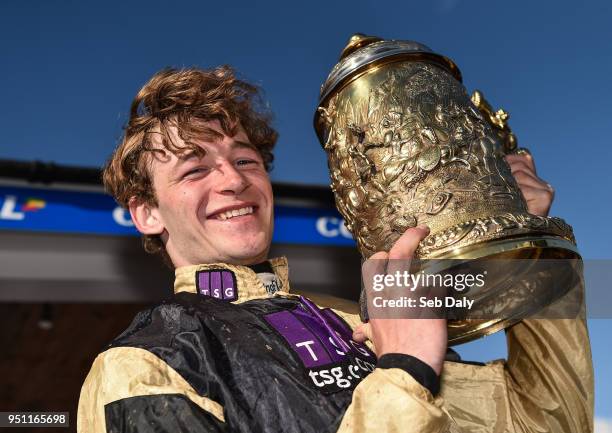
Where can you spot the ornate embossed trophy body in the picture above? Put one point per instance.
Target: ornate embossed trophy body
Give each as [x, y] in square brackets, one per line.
[406, 146]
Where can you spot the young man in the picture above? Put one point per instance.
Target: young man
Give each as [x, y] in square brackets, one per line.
[234, 351]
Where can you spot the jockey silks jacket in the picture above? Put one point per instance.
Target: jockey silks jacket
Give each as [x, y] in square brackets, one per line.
[228, 353]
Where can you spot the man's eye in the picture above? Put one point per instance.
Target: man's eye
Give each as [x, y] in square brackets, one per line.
[196, 171]
[244, 162]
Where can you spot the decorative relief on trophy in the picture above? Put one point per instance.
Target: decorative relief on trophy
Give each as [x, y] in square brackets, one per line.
[407, 145]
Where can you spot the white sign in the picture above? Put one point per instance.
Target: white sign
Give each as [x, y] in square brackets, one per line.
[8, 209]
[122, 217]
[332, 227]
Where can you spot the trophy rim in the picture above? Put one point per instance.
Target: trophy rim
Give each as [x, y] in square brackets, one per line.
[481, 251]
[492, 247]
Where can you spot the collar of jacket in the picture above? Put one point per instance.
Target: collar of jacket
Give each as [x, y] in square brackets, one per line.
[248, 285]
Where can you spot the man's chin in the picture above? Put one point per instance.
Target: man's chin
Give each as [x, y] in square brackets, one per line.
[246, 259]
[248, 254]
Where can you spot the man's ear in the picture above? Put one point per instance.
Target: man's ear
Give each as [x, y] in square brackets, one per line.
[146, 217]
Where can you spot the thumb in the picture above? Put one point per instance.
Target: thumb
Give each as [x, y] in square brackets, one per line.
[362, 333]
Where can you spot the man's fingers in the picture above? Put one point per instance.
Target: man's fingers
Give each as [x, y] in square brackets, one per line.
[381, 255]
[538, 200]
[523, 158]
[515, 165]
[402, 252]
[527, 179]
[523, 167]
[538, 193]
[531, 192]
[375, 265]
[362, 333]
[398, 259]
[407, 244]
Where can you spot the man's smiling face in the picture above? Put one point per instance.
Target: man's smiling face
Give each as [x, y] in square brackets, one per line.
[215, 207]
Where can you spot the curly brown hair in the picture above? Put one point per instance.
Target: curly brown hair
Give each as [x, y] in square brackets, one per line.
[183, 99]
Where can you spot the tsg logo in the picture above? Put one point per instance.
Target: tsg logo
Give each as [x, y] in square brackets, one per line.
[332, 227]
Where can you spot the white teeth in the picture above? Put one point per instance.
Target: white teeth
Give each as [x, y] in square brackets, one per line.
[234, 213]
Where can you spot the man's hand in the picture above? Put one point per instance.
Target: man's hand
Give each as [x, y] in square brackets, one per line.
[425, 339]
[538, 194]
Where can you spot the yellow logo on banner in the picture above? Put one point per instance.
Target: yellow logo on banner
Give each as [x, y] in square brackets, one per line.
[33, 204]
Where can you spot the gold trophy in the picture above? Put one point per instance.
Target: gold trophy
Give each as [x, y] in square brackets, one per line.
[406, 145]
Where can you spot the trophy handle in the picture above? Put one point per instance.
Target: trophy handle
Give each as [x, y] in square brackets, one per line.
[499, 122]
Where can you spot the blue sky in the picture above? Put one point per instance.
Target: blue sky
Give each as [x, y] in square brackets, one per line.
[70, 69]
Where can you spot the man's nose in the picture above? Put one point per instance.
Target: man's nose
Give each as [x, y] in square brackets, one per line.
[232, 180]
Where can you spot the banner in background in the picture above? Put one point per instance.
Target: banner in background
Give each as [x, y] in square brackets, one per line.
[79, 212]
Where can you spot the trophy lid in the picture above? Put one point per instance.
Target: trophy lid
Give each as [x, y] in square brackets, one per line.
[363, 52]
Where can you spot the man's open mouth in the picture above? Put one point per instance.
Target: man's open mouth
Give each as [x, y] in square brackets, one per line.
[233, 213]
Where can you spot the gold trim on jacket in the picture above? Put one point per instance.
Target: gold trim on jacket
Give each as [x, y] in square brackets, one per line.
[546, 385]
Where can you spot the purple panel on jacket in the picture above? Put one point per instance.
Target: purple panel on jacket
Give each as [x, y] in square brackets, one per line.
[204, 283]
[229, 290]
[335, 349]
[216, 289]
[219, 284]
[300, 338]
[346, 333]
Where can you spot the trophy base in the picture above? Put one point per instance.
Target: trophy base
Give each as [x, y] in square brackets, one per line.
[524, 275]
